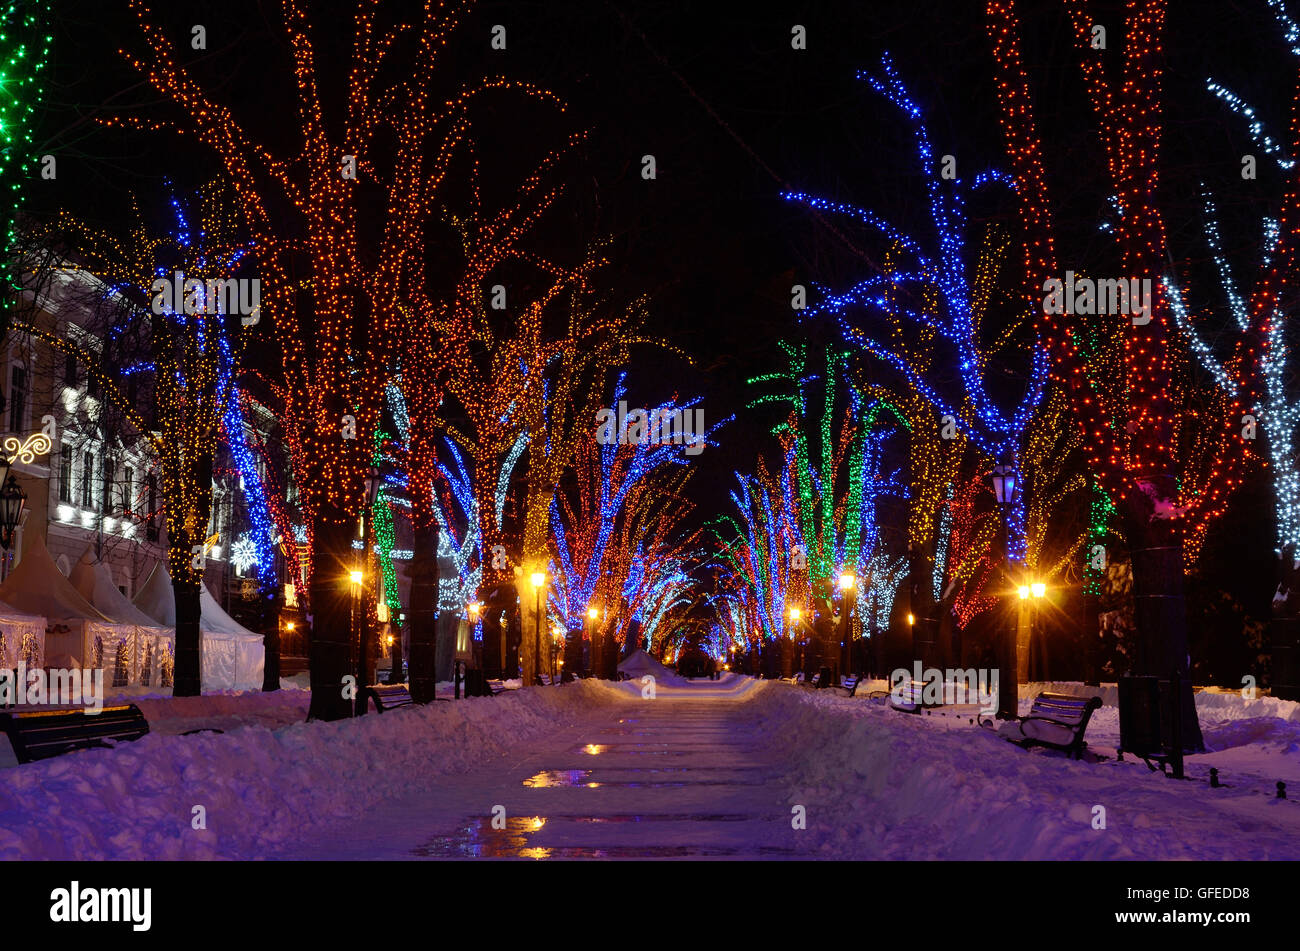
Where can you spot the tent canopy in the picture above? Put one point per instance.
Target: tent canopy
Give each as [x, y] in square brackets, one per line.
[157, 600]
[36, 586]
[639, 663]
[93, 582]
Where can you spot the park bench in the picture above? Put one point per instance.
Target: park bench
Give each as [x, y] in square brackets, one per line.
[1057, 721]
[910, 698]
[389, 696]
[42, 734]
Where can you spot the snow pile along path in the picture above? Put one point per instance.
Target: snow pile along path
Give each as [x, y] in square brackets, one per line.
[259, 787]
[881, 784]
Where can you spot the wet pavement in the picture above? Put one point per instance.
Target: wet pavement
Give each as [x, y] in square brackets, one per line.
[682, 776]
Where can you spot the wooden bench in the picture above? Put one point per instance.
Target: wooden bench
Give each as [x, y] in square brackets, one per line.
[910, 698]
[42, 734]
[1057, 721]
[389, 696]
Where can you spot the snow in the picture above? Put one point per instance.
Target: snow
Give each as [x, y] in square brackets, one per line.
[875, 783]
[270, 781]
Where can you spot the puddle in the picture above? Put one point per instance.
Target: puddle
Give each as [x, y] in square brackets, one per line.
[559, 777]
[553, 778]
[478, 839]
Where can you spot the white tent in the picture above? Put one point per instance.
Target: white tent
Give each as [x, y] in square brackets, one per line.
[151, 655]
[78, 635]
[22, 638]
[233, 657]
[639, 663]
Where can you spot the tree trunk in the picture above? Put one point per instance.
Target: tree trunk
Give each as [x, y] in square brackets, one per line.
[422, 616]
[532, 617]
[787, 657]
[609, 656]
[1159, 608]
[330, 650]
[271, 666]
[573, 654]
[187, 678]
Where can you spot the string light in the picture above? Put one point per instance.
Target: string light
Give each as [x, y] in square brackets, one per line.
[24, 53]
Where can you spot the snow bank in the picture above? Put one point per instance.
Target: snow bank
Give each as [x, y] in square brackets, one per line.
[881, 784]
[260, 787]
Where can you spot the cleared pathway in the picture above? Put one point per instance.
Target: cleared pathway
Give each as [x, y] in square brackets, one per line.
[683, 775]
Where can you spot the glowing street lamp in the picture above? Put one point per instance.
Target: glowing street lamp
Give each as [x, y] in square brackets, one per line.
[539, 581]
[1039, 589]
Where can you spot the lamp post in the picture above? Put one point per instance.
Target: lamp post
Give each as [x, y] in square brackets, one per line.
[359, 616]
[557, 634]
[592, 615]
[12, 501]
[848, 591]
[1033, 592]
[539, 582]
[1006, 484]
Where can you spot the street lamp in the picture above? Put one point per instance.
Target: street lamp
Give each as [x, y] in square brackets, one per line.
[848, 588]
[12, 501]
[558, 633]
[539, 580]
[594, 646]
[1006, 485]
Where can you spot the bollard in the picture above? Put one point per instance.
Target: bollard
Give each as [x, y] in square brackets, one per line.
[1281, 789]
[1214, 778]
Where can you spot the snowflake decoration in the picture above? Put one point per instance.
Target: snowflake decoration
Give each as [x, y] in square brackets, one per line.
[244, 554]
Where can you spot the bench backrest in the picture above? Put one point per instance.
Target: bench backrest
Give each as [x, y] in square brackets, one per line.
[1071, 710]
[387, 696]
[41, 734]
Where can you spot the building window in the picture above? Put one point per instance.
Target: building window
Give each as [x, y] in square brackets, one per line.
[88, 481]
[65, 475]
[70, 370]
[128, 489]
[18, 400]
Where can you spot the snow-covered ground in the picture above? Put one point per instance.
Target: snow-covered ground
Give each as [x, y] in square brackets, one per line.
[891, 785]
[708, 769]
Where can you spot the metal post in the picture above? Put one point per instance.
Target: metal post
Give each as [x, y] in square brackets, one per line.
[1176, 724]
[537, 641]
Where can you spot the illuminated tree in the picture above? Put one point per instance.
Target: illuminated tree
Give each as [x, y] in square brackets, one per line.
[615, 538]
[1259, 371]
[1167, 456]
[934, 297]
[189, 353]
[385, 145]
[24, 52]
